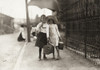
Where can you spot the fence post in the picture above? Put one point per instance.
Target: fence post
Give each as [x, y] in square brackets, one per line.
[85, 40]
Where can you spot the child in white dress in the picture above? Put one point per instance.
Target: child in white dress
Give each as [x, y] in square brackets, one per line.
[54, 35]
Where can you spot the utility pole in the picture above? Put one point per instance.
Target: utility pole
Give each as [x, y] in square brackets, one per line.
[28, 22]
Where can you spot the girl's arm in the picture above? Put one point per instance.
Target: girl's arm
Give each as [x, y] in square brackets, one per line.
[38, 26]
[57, 30]
[47, 31]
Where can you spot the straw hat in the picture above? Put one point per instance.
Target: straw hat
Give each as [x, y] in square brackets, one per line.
[54, 18]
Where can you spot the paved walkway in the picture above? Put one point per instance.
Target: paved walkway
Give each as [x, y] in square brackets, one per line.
[70, 61]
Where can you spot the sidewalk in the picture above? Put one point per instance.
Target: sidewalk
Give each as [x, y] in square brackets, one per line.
[28, 60]
[9, 51]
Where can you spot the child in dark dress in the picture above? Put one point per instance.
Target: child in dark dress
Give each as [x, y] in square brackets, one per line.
[42, 36]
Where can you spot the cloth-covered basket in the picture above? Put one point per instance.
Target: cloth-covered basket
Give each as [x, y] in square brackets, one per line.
[48, 49]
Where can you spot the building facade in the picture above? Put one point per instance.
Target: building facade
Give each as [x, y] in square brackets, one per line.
[6, 24]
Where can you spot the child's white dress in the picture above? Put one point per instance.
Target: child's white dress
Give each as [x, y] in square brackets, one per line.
[54, 34]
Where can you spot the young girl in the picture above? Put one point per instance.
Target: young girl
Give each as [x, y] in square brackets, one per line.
[22, 35]
[54, 35]
[42, 36]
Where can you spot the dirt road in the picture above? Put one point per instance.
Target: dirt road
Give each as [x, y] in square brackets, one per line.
[9, 51]
[20, 56]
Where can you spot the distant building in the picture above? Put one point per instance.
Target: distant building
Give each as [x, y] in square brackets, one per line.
[5, 19]
[6, 24]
